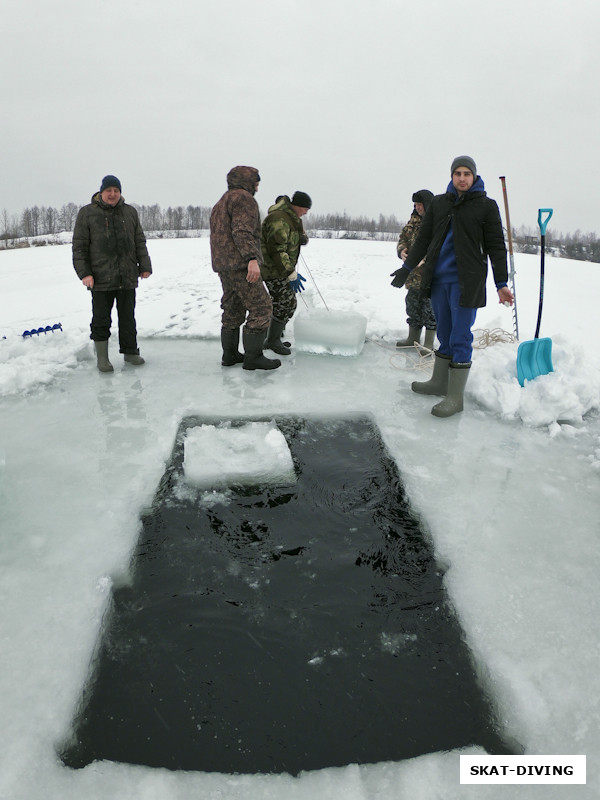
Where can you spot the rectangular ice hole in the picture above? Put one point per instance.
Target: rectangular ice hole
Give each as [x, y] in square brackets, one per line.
[283, 628]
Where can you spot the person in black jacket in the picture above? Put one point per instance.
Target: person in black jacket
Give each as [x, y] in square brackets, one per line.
[460, 231]
[109, 255]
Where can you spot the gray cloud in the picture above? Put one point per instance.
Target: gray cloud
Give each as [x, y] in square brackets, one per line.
[357, 104]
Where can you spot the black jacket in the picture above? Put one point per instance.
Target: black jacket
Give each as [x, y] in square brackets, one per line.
[478, 234]
[109, 243]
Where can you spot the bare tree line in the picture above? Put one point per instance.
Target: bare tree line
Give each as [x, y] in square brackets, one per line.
[45, 221]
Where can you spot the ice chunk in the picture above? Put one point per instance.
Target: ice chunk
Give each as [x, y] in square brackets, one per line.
[217, 456]
[339, 333]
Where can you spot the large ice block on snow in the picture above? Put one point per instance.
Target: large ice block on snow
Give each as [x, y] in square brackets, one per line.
[218, 456]
[338, 333]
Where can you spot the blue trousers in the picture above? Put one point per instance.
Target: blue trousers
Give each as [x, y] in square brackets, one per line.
[454, 322]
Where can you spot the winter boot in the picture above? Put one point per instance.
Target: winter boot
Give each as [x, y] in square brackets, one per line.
[457, 380]
[230, 340]
[438, 383]
[273, 341]
[134, 358]
[428, 343]
[104, 364]
[414, 336]
[253, 351]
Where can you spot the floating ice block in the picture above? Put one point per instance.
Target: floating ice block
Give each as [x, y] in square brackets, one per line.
[219, 456]
[338, 333]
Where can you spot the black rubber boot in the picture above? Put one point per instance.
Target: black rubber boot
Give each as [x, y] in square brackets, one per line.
[230, 340]
[438, 383]
[273, 341]
[457, 380]
[104, 364]
[253, 351]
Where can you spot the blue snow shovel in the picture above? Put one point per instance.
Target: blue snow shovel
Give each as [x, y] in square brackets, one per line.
[534, 358]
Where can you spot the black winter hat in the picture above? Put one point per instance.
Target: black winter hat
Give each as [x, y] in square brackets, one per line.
[423, 196]
[108, 181]
[302, 200]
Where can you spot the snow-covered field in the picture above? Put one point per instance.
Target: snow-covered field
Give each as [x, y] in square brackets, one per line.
[508, 491]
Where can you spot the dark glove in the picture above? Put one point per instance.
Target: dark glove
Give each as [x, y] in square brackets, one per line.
[297, 283]
[400, 276]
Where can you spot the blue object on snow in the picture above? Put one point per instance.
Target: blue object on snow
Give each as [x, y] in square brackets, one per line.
[48, 329]
[535, 357]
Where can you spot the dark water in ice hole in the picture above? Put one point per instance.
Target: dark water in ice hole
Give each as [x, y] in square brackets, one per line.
[294, 628]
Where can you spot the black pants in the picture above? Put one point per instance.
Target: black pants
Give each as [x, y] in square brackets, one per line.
[102, 303]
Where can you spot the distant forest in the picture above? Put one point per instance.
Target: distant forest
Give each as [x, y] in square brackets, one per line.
[42, 225]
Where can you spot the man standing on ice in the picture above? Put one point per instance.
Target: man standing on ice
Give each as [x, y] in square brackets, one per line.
[109, 255]
[236, 256]
[418, 308]
[460, 231]
[281, 238]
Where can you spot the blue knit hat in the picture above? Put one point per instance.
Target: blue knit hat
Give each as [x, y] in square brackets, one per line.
[108, 181]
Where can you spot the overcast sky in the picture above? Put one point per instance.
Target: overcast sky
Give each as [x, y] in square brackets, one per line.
[357, 103]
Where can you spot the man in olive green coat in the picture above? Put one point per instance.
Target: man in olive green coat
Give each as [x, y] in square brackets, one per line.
[109, 255]
[282, 235]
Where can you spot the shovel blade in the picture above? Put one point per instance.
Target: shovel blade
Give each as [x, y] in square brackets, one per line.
[534, 358]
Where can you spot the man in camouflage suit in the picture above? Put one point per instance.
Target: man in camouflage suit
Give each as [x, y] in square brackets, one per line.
[236, 257]
[418, 308]
[281, 238]
[109, 255]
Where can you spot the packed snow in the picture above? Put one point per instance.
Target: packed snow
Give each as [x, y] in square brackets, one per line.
[507, 490]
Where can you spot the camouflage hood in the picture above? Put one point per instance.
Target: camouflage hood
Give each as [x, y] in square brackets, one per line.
[243, 178]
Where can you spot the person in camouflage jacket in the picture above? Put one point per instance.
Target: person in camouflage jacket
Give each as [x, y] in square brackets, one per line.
[109, 256]
[418, 308]
[282, 236]
[236, 256]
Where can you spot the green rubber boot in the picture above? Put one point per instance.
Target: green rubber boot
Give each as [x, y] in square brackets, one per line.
[457, 380]
[427, 345]
[438, 383]
[134, 358]
[414, 337]
[104, 364]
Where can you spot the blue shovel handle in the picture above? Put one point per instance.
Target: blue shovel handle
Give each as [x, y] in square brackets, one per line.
[543, 223]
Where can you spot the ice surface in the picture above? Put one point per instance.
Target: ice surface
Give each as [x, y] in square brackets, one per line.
[338, 333]
[256, 453]
[508, 491]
